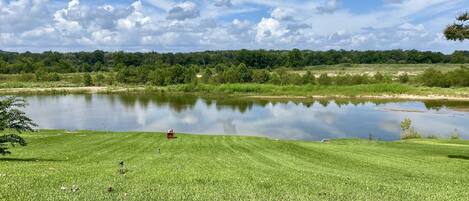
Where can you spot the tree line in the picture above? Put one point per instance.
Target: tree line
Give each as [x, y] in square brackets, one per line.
[223, 74]
[14, 63]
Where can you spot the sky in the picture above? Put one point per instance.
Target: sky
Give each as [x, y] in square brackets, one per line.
[199, 25]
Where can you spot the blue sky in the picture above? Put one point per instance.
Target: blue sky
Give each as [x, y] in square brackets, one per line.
[195, 25]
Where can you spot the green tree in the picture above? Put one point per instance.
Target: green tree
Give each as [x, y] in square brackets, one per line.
[433, 78]
[245, 73]
[295, 58]
[260, 76]
[12, 118]
[458, 30]
[324, 79]
[87, 80]
[100, 78]
[378, 77]
[308, 78]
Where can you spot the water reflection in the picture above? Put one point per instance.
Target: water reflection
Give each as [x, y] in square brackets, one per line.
[285, 119]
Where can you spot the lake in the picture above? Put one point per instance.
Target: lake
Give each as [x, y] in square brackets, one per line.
[276, 119]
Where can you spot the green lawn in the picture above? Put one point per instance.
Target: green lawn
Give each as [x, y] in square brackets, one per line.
[194, 167]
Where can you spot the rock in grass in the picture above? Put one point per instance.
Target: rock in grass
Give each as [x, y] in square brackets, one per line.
[75, 188]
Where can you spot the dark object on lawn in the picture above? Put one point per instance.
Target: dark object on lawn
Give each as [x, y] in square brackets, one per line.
[170, 134]
[325, 140]
[159, 151]
[109, 189]
[122, 168]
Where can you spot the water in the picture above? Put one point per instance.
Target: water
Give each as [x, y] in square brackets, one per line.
[295, 120]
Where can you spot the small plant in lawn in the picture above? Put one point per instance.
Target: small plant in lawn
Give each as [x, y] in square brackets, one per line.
[432, 136]
[455, 135]
[408, 132]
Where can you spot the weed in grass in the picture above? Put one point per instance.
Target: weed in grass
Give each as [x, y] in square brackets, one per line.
[455, 135]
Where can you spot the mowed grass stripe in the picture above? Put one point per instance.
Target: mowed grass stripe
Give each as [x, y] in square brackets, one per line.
[197, 167]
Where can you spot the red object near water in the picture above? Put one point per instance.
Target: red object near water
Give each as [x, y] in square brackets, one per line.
[170, 134]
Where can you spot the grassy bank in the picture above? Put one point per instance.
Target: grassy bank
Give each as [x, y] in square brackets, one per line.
[320, 90]
[197, 167]
[374, 91]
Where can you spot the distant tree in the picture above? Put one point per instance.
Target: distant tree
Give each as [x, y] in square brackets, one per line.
[324, 79]
[87, 80]
[458, 30]
[295, 58]
[260, 76]
[100, 78]
[207, 75]
[245, 73]
[433, 78]
[378, 77]
[12, 118]
[308, 78]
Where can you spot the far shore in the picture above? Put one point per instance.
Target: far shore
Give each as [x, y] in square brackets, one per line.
[255, 95]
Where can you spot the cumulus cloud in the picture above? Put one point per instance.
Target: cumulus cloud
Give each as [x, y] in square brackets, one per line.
[329, 6]
[170, 25]
[136, 18]
[223, 3]
[283, 14]
[270, 28]
[182, 11]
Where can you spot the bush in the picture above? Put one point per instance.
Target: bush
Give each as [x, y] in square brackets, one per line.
[408, 132]
[404, 78]
[260, 76]
[100, 79]
[455, 135]
[87, 80]
[433, 78]
[324, 79]
[26, 77]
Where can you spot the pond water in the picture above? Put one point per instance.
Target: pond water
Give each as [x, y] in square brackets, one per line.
[295, 120]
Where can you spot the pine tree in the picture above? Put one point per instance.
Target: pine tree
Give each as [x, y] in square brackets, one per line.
[12, 118]
[458, 30]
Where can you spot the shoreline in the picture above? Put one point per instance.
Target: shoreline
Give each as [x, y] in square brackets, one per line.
[104, 89]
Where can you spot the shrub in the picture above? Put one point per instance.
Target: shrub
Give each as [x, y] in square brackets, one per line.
[404, 78]
[87, 80]
[435, 137]
[324, 79]
[433, 78]
[26, 77]
[378, 77]
[99, 79]
[455, 135]
[408, 132]
[260, 76]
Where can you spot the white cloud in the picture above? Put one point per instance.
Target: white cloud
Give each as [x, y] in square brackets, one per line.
[283, 14]
[171, 25]
[270, 28]
[223, 3]
[182, 11]
[329, 6]
[136, 18]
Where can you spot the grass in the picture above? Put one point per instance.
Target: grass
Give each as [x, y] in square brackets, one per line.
[321, 90]
[196, 167]
[389, 69]
[384, 90]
